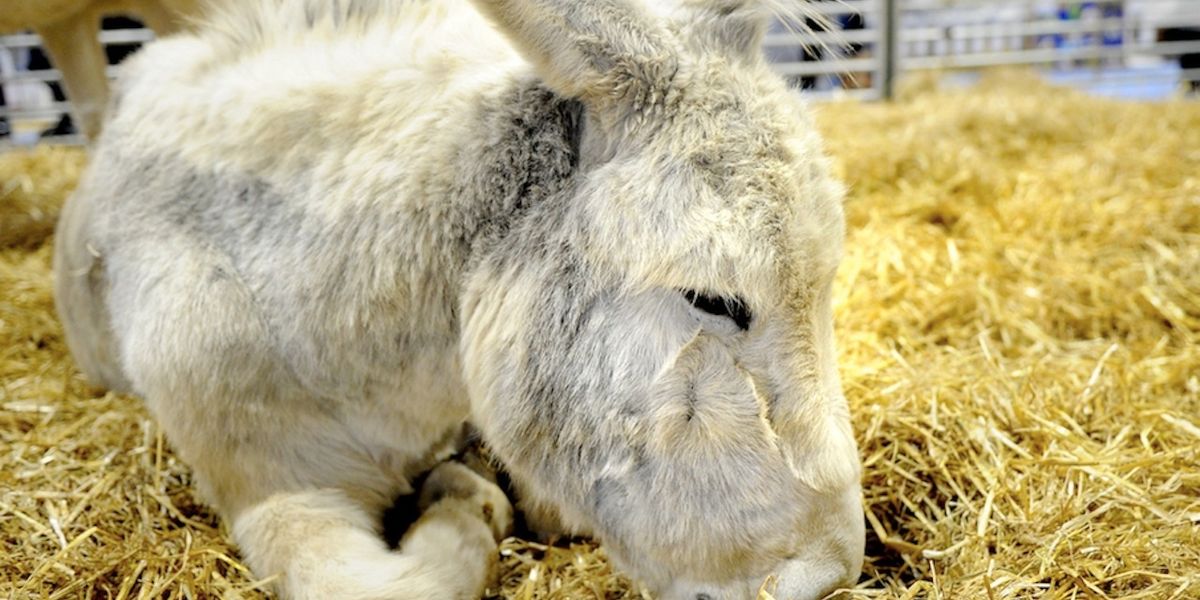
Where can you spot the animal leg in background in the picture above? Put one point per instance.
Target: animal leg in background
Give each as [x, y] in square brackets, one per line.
[75, 49]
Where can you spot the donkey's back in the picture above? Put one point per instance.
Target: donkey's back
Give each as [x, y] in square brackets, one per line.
[317, 140]
[279, 88]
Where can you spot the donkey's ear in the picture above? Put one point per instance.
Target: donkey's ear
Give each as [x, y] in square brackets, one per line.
[600, 51]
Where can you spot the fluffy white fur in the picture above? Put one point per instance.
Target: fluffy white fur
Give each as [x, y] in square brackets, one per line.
[318, 237]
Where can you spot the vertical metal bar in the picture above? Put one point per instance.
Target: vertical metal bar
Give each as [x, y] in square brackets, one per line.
[891, 46]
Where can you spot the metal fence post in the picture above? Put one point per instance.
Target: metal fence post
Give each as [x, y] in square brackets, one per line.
[891, 46]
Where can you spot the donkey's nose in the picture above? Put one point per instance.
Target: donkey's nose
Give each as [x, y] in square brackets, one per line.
[803, 579]
[810, 577]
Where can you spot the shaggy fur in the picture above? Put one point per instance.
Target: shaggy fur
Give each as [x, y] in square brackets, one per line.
[316, 240]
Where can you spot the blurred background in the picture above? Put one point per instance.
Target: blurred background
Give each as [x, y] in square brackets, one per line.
[1139, 49]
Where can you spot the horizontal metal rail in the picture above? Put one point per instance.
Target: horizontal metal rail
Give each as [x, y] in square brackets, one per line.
[108, 37]
[1034, 56]
[859, 94]
[932, 33]
[819, 38]
[47, 75]
[844, 7]
[933, 5]
[826, 67]
[47, 111]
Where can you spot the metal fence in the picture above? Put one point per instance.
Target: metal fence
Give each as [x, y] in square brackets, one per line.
[1146, 49]
[33, 104]
[847, 49]
[844, 52]
[1132, 48]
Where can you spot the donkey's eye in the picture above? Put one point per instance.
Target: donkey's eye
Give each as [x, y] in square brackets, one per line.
[721, 306]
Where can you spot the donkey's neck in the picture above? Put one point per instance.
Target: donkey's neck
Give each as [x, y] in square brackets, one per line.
[527, 152]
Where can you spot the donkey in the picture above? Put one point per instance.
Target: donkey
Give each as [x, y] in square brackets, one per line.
[68, 29]
[318, 237]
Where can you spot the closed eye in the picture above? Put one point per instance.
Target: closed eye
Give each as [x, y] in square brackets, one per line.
[721, 306]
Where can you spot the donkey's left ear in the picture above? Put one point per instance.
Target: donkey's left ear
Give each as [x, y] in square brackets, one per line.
[611, 54]
[728, 27]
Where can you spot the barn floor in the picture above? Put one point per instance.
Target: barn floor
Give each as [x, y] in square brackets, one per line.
[1018, 317]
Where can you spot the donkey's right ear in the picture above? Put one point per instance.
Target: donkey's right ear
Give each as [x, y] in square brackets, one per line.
[611, 54]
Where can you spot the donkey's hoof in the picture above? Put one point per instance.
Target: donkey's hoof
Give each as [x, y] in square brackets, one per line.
[455, 481]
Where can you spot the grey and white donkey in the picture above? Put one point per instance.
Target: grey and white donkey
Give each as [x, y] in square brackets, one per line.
[318, 237]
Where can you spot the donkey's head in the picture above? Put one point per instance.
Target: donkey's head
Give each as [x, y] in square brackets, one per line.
[650, 351]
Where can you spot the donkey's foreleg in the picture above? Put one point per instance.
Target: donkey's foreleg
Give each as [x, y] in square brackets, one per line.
[75, 49]
[463, 516]
[324, 544]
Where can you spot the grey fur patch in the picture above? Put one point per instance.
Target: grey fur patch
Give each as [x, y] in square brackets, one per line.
[333, 263]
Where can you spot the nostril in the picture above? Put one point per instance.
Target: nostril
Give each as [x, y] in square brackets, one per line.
[703, 597]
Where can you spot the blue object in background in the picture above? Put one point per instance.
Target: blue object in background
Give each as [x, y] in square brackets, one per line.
[1113, 36]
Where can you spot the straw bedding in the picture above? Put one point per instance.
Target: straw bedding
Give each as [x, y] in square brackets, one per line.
[1017, 316]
